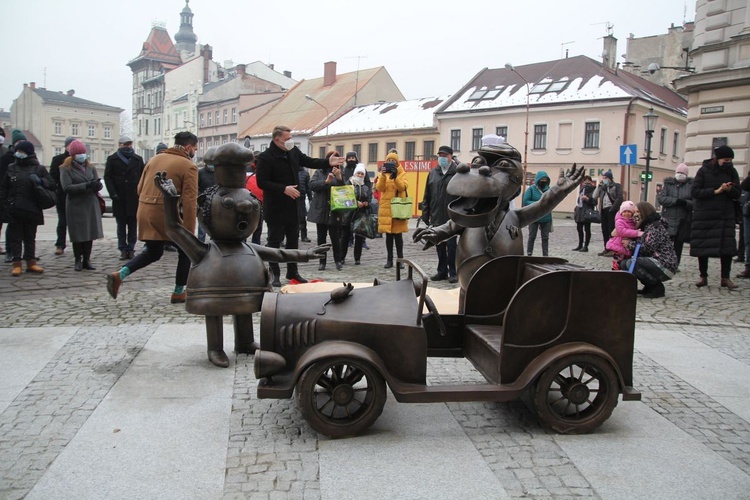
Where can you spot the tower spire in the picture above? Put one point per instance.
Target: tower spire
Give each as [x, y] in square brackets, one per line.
[185, 38]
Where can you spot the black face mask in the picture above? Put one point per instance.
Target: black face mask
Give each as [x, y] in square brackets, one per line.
[727, 164]
[543, 185]
[351, 163]
[127, 152]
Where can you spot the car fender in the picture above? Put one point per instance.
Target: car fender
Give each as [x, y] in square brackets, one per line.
[544, 360]
[339, 349]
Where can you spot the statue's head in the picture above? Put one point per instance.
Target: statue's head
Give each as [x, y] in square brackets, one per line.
[228, 211]
[486, 186]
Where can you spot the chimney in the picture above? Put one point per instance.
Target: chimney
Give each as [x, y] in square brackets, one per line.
[609, 56]
[207, 55]
[288, 74]
[32, 85]
[241, 68]
[25, 85]
[329, 73]
[71, 92]
[270, 66]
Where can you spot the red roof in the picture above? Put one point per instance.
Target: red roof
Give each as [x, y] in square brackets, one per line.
[159, 47]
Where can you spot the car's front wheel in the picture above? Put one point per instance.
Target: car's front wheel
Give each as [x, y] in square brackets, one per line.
[341, 398]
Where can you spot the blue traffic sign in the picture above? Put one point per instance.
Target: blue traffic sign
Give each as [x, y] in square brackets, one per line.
[628, 154]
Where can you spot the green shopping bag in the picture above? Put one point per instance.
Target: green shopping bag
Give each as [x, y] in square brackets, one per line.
[343, 198]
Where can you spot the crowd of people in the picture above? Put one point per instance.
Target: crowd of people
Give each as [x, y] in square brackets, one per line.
[294, 189]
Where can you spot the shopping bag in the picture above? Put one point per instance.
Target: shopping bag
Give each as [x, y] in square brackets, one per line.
[364, 224]
[343, 198]
[402, 208]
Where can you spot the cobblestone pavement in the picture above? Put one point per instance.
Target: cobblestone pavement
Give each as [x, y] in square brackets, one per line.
[271, 452]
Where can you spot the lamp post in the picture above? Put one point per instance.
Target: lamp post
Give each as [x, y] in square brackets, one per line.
[650, 120]
[526, 139]
[311, 98]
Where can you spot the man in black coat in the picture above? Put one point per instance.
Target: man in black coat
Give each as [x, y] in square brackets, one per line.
[54, 172]
[278, 177]
[122, 172]
[435, 211]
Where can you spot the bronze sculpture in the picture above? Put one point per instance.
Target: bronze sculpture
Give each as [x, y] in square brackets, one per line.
[228, 275]
[481, 214]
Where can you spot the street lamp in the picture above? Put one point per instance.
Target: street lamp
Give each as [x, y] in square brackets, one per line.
[526, 139]
[311, 98]
[650, 119]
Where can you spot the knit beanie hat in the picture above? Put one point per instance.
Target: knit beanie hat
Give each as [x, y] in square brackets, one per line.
[68, 140]
[352, 154]
[722, 152]
[392, 158]
[608, 175]
[76, 148]
[26, 147]
[16, 135]
[161, 147]
[360, 168]
[682, 169]
[627, 206]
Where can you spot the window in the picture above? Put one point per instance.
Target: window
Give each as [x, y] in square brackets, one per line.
[476, 138]
[540, 136]
[157, 126]
[429, 150]
[340, 149]
[676, 144]
[591, 138]
[58, 151]
[372, 152]
[226, 116]
[485, 94]
[357, 148]
[663, 142]
[58, 128]
[502, 131]
[210, 115]
[216, 117]
[456, 140]
[107, 132]
[389, 146]
[410, 149]
[234, 115]
[140, 127]
[74, 129]
[146, 122]
[322, 152]
[201, 121]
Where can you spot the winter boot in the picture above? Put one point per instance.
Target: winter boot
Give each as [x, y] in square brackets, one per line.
[17, 268]
[32, 267]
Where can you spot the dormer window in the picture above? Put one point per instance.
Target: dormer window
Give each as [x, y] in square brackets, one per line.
[485, 94]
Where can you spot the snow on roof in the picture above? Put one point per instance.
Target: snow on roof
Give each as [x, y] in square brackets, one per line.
[383, 116]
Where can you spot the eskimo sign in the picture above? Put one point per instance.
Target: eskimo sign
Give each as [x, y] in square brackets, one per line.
[416, 166]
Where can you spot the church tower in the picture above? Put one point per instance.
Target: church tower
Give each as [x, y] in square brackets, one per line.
[185, 38]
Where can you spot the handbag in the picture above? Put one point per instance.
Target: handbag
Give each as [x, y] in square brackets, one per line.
[591, 214]
[364, 224]
[343, 198]
[402, 208]
[102, 203]
[45, 198]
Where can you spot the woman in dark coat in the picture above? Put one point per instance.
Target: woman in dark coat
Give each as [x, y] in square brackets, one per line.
[320, 213]
[19, 207]
[677, 203]
[585, 200]
[715, 191]
[81, 183]
[363, 194]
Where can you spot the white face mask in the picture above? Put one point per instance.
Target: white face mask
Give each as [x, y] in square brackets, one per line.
[81, 158]
[289, 144]
[680, 177]
[358, 180]
[2, 140]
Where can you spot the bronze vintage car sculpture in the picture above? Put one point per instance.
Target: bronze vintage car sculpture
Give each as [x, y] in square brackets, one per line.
[339, 361]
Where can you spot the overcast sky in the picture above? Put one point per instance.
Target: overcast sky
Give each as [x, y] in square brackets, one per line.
[429, 48]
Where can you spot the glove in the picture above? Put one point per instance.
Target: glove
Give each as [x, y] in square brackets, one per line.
[680, 202]
[35, 179]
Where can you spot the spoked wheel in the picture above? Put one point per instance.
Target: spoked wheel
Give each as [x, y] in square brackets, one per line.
[576, 394]
[341, 397]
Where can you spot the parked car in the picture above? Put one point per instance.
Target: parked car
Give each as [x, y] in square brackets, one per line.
[525, 325]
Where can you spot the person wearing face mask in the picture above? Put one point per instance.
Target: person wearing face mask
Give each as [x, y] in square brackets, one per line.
[19, 208]
[81, 182]
[609, 196]
[585, 200]
[435, 211]
[712, 234]
[6, 159]
[277, 170]
[54, 172]
[122, 172]
[206, 179]
[177, 162]
[677, 207]
[363, 194]
[532, 195]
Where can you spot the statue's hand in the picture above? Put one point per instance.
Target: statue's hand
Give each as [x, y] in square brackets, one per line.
[166, 186]
[426, 234]
[570, 179]
[318, 251]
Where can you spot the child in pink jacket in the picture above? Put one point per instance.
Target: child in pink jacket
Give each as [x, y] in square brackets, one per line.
[625, 231]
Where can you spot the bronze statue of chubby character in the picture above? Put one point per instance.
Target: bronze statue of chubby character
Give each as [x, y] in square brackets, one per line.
[228, 275]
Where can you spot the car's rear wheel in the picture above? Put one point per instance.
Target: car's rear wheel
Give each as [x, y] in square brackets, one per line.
[341, 398]
[576, 394]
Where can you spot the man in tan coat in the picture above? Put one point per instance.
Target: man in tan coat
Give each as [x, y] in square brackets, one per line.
[178, 165]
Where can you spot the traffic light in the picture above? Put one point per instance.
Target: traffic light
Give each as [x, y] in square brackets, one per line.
[650, 176]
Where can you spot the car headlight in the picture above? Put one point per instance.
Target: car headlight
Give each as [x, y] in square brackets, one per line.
[267, 364]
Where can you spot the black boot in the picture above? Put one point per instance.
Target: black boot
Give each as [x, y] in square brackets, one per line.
[79, 264]
[322, 265]
[276, 283]
[388, 264]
